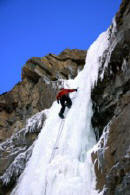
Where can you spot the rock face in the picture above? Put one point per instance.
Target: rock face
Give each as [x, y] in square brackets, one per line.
[111, 105]
[63, 66]
[41, 78]
[111, 102]
[39, 81]
[16, 151]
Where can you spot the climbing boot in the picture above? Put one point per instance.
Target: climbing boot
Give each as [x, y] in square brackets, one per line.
[61, 115]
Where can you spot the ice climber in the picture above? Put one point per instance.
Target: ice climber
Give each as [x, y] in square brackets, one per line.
[64, 99]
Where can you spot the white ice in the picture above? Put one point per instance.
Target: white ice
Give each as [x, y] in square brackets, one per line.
[61, 160]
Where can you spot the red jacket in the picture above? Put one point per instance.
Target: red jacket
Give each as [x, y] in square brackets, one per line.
[64, 92]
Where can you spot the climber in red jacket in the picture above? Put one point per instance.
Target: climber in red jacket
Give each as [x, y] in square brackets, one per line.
[64, 99]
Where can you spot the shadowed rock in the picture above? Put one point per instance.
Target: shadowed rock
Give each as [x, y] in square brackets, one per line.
[111, 102]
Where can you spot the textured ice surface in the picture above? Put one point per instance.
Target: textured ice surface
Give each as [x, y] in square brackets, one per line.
[61, 160]
[16, 147]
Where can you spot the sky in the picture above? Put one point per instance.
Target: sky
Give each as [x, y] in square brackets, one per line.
[34, 28]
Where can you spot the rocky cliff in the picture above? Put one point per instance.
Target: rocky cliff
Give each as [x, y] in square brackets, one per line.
[41, 78]
[111, 103]
[21, 115]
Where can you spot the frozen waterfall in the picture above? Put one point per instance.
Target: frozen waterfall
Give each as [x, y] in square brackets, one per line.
[61, 159]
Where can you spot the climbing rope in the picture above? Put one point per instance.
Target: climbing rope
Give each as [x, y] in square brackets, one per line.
[55, 146]
[57, 140]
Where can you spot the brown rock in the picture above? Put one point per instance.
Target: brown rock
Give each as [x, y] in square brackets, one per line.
[31, 95]
[111, 102]
[35, 92]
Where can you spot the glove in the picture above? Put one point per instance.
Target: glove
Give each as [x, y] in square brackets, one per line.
[76, 89]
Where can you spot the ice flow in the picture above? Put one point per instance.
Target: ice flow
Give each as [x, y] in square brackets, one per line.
[61, 160]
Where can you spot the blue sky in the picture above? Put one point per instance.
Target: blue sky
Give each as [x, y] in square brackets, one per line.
[37, 27]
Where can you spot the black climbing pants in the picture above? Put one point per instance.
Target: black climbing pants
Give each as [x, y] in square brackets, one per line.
[65, 101]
